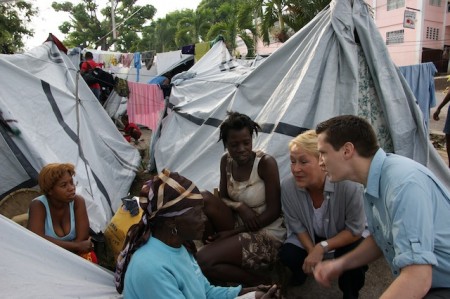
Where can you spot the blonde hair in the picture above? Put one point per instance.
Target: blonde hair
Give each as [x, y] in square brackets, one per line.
[307, 141]
[51, 173]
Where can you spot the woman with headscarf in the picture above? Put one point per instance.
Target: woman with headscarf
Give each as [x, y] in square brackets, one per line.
[158, 256]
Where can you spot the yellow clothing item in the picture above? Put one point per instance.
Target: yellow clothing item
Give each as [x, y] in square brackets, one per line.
[117, 229]
[201, 49]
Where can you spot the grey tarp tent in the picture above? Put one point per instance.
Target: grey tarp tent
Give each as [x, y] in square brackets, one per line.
[39, 95]
[33, 267]
[337, 64]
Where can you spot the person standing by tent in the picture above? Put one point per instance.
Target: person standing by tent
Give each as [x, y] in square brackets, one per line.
[323, 219]
[247, 217]
[59, 215]
[158, 257]
[447, 122]
[88, 65]
[407, 209]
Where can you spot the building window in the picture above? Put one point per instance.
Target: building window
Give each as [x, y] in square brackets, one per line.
[394, 4]
[448, 6]
[432, 33]
[435, 3]
[395, 37]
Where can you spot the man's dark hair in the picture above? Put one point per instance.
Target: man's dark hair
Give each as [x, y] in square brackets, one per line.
[349, 128]
[237, 121]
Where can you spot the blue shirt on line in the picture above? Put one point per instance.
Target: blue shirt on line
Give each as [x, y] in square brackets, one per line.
[408, 213]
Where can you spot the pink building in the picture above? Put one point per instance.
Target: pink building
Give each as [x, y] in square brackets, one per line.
[415, 31]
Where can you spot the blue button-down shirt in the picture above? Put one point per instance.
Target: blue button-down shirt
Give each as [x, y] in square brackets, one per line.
[408, 213]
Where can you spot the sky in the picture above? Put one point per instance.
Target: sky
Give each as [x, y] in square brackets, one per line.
[47, 21]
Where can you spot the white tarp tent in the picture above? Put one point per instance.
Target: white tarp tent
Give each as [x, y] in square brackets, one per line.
[211, 82]
[39, 93]
[338, 64]
[33, 267]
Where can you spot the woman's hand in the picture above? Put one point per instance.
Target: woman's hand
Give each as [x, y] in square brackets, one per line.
[263, 291]
[249, 217]
[221, 235]
[268, 292]
[86, 246]
[313, 258]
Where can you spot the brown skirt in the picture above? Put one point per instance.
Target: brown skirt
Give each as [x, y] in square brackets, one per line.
[259, 250]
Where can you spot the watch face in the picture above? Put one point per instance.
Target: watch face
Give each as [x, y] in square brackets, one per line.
[324, 244]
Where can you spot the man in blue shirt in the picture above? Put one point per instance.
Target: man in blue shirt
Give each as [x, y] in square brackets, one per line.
[407, 209]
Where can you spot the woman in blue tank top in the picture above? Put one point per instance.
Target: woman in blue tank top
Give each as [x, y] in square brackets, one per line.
[59, 215]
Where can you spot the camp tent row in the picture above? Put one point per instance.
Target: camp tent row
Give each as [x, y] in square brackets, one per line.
[60, 120]
[338, 64]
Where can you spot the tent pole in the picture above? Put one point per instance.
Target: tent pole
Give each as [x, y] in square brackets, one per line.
[77, 99]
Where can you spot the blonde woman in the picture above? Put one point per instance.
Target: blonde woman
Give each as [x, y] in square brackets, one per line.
[321, 217]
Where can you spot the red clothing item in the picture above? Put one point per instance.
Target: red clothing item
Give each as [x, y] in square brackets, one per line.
[85, 68]
[132, 130]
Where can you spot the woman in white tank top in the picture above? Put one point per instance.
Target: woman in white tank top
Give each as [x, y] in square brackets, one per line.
[246, 224]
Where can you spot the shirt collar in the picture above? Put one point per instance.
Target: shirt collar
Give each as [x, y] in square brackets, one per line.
[328, 186]
[373, 179]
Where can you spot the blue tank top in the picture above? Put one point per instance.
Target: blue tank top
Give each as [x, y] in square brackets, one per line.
[49, 225]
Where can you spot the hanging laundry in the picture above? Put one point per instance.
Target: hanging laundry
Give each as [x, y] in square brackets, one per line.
[190, 49]
[126, 59]
[137, 64]
[145, 104]
[420, 78]
[121, 87]
[201, 49]
[148, 58]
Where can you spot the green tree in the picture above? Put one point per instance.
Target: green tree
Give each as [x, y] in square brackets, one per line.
[160, 35]
[88, 29]
[230, 18]
[277, 17]
[191, 28]
[301, 12]
[14, 17]
[176, 29]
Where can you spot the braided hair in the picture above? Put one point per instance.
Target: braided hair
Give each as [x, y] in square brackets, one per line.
[237, 121]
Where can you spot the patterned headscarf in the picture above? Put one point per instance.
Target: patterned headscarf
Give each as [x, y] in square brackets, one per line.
[170, 195]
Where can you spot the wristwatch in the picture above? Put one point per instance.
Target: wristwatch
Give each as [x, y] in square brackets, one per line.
[324, 245]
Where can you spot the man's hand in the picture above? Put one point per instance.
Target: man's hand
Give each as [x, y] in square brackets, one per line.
[325, 272]
[436, 114]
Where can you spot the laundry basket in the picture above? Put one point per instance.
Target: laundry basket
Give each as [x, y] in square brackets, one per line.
[15, 205]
